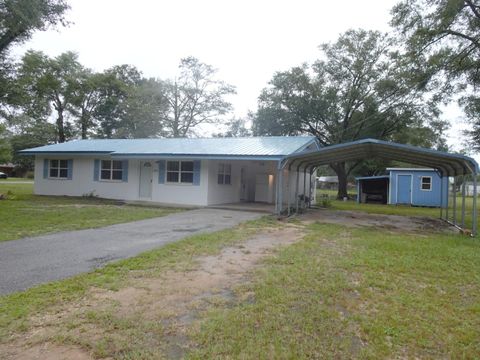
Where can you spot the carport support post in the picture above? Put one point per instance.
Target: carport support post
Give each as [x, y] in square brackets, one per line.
[288, 191]
[304, 185]
[474, 205]
[280, 188]
[441, 196]
[310, 188]
[296, 188]
[448, 198]
[455, 200]
[463, 201]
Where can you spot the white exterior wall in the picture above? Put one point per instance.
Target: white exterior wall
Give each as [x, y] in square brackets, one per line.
[82, 182]
[180, 194]
[208, 192]
[223, 194]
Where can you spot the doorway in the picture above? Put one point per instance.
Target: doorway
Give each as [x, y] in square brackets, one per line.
[243, 184]
[404, 189]
[145, 180]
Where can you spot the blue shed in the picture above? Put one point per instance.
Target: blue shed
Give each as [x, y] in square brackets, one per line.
[409, 186]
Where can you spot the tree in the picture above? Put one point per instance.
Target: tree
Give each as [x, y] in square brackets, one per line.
[20, 18]
[443, 38]
[361, 88]
[236, 127]
[131, 106]
[29, 133]
[49, 86]
[194, 98]
[5, 147]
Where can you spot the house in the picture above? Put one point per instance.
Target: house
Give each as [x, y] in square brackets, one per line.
[191, 172]
[412, 186]
[327, 182]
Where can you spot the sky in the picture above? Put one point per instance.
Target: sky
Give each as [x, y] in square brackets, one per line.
[247, 41]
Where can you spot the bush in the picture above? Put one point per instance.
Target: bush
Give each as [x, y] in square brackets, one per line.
[29, 175]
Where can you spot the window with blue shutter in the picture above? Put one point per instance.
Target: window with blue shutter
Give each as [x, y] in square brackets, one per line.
[45, 168]
[161, 172]
[58, 169]
[125, 170]
[70, 169]
[96, 170]
[196, 172]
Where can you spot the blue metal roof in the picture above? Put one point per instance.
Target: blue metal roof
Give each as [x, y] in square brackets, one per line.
[449, 164]
[372, 177]
[268, 146]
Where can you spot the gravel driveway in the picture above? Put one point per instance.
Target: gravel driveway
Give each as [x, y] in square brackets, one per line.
[36, 260]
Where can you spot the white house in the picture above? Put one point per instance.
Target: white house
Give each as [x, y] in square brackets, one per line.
[198, 172]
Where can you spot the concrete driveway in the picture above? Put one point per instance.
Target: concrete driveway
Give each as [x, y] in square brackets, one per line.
[36, 260]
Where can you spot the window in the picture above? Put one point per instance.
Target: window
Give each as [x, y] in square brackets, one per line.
[111, 170]
[426, 183]
[224, 174]
[58, 169]
[180, 172]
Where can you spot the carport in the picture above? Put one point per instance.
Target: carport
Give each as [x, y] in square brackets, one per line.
[456, 167]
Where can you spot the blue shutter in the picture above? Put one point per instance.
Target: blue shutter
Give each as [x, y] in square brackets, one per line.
[196, 172]
[161, 172]
[96, 169]
[125, 171]
[70, 169]
[45, 168]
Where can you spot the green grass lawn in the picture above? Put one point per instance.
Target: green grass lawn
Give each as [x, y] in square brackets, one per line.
[15, 179]
[24, 214]
[338, 293]
[355, 293]
[403, 210]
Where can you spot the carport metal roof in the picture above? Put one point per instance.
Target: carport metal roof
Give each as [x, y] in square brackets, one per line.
[447, 164]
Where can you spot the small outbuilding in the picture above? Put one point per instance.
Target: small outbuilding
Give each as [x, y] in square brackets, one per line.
[404, 186]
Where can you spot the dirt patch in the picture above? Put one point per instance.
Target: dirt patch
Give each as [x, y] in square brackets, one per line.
[45, 351]
[175, 301]
[396, 223]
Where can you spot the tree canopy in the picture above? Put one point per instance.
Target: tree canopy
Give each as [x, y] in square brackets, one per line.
[443, 39]
[361, 87]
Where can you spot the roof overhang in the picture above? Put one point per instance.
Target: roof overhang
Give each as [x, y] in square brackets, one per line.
[447, 163]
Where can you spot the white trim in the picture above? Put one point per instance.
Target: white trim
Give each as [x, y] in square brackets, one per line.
[411, 188]
[421, 183]
[410, 169]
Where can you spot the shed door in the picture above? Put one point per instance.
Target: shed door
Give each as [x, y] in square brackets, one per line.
[404, 189]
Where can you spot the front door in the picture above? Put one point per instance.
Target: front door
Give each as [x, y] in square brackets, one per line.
[243, 183]
[145, 180]
[404, 189]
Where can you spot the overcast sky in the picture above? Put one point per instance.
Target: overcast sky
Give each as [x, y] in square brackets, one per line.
[246, 40]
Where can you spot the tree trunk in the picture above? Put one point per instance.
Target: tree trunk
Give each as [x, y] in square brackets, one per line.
[60, 127]
[339, 169]
[84, 126]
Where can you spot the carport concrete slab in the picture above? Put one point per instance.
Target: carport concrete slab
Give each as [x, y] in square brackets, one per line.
[36, 260]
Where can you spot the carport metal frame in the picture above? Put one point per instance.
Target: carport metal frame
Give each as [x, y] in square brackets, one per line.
[447, 164]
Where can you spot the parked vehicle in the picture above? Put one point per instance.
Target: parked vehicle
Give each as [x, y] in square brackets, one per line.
[3, 175]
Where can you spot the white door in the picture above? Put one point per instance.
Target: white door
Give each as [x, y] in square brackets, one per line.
[243, 183]
[145, 180]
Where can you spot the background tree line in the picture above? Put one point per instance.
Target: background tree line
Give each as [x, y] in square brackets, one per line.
[365, 84]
